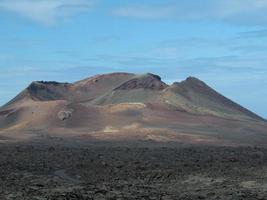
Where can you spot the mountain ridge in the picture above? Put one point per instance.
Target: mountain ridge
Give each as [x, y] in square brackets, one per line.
[109, 105]
[53, 90]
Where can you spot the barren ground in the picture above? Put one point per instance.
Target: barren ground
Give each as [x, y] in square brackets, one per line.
[58, 170]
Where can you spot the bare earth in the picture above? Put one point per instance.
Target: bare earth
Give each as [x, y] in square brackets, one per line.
[125, 106]
[57, 169]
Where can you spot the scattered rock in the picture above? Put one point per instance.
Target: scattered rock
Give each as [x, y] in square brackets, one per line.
[65, 114]
[66, 173]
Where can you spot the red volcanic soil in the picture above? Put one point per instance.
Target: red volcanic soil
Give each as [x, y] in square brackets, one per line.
[130, 107]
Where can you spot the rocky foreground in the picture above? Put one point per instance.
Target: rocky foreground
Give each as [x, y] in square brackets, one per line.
[53, 171]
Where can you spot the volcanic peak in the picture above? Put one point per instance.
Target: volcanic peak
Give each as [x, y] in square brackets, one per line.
[146, 81]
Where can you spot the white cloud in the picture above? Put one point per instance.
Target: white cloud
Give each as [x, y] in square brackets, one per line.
[248, 12]
[46, 11]
[144, 11]
[167, 52]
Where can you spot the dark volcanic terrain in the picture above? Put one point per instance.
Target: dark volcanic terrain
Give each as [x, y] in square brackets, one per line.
[128, 136]
[148, 172]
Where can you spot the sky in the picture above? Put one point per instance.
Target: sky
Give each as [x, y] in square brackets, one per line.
[222, 42]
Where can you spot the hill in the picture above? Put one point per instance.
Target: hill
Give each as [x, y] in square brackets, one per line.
[130, 107]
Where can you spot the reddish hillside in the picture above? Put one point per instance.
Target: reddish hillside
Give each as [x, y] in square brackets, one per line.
[124, 106]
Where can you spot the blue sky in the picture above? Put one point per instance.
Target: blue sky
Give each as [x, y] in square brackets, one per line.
[222, 42]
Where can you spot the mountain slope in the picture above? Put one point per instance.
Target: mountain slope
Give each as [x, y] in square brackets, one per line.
[194, 95]
[80, 91]
[125, 106]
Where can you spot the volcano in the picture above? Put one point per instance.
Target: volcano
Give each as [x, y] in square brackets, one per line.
[130, 107]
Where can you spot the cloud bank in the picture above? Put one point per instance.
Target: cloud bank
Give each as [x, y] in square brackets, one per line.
[46, 11]
[244, 12]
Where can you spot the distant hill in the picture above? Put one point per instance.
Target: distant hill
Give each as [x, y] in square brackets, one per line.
[125, 106]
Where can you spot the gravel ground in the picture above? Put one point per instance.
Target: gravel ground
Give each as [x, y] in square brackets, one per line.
[54, 171]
